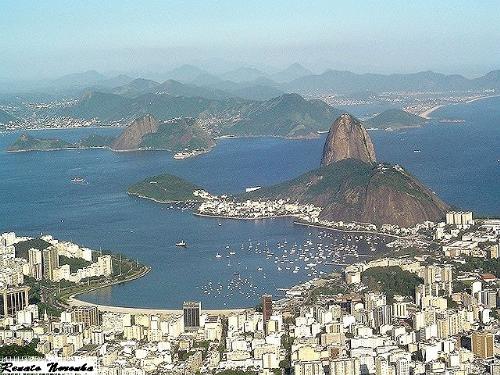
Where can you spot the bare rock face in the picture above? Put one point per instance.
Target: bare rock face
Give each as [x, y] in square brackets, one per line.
[347, 139]
[131, 137]
[390, 195]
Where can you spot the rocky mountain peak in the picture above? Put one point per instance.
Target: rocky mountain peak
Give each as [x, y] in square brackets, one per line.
[131, 137]
[347, 139]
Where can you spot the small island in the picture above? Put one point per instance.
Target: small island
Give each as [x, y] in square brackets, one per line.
[394, 119]
[28, 143]
[166, 188]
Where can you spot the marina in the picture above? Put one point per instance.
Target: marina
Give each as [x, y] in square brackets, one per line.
[320, 253]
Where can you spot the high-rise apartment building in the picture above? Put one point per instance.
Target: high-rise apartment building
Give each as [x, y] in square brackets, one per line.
[13, 300]
[192, 313]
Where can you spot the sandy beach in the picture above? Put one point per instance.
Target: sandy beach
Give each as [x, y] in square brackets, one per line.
[426, 114]
[74, 302]
[481, 98]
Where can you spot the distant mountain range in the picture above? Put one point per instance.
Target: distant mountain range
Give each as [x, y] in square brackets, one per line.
[348, 82]
[88, 78]
[178, 123]
[294, 71]
[136, 87]
[217, 90]
[252, 83]
[243, 74]
[288, 115]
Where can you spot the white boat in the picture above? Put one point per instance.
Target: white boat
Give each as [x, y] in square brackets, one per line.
[78, 180]
[218, 255]
[181, 244]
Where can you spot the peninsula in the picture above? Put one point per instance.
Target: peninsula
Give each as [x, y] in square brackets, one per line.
[54, 270]
[350, 186]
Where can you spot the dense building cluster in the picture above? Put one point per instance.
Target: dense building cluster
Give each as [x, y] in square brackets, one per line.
[253, 209]
[430, 313]
[227, 207]
[45, 263]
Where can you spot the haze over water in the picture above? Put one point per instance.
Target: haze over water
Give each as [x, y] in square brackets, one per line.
[457, 161]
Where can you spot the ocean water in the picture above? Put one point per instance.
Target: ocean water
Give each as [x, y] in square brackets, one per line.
[459, 162]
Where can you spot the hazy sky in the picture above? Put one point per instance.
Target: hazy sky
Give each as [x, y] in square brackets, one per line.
[50, 38]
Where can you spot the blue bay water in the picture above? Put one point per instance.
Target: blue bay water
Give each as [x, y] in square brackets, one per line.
[459, 162]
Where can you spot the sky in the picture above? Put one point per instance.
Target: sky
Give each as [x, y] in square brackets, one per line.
[44, 39]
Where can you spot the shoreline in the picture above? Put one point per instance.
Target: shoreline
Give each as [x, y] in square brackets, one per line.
[310, 136]
[66, 128]
[59, 149]
[160, 202]
[242, 218]
[173, 153]
[74, 301]
[426, 114]
[484, 97]
[319, 226]
[296, 222]
[69, 300]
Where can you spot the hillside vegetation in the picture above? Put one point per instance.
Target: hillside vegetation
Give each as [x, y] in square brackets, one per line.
[394, 119]
[165, 188]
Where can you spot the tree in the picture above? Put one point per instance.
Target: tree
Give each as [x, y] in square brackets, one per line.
[391, 280]
[15, 350]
